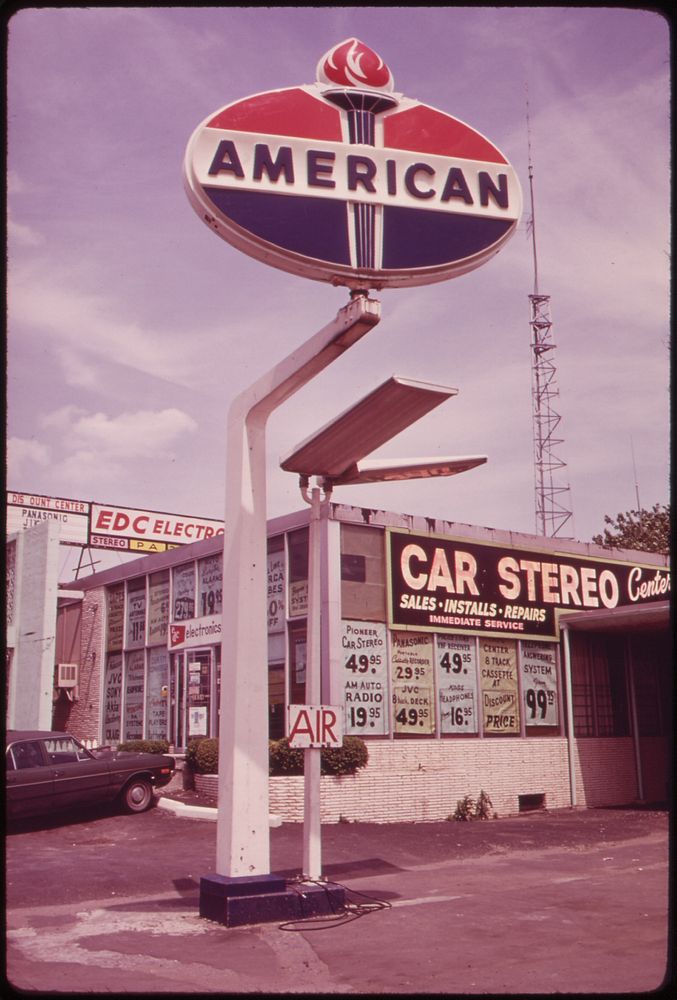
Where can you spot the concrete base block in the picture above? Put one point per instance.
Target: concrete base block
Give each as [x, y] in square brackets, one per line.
[258, 899]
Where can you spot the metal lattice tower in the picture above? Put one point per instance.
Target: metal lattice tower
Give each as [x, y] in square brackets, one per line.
[553, 498]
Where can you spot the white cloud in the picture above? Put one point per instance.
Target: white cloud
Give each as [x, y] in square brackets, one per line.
[22, 235]
[23, 455]
[143, 434]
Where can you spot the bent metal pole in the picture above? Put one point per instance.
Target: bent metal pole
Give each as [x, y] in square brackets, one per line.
[242, 830]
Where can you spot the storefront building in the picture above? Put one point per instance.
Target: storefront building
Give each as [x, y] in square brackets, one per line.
[469, 659]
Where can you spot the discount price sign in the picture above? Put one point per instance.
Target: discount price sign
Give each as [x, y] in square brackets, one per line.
[456, 663]
[539, 683]
[365, 678]
[498, 677]
[412, 671]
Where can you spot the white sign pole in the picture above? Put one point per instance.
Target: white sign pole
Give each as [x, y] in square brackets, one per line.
[242, 833]
[312, 826]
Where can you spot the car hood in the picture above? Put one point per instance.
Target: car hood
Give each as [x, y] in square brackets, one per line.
[128, 759]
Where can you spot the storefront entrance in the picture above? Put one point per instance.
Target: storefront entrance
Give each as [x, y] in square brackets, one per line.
[194, 699]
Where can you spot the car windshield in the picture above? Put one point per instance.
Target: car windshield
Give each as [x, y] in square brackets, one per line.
[24, 755]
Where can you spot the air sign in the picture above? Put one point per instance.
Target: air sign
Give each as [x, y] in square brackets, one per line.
[346, 181]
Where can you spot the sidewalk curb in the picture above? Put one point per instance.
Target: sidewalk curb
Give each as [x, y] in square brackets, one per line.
[208, 813]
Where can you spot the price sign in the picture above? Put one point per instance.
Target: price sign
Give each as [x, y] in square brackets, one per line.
[456, 663]
[276, 611]
[498, 678]
[210, 585]
[539, 683]
[113, 696]
[365, 680]
[133, 710]
[135, 636]
[412, 676]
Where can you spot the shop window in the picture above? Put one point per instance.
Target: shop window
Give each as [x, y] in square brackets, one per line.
[599, 686]
[650, 660]
[276, 701]
[363, 587]
[135, 631]
[298, 572]
[297, 665]
[276, 584]
[157, 694]
[115, 610]
[183, 593]
[210, 585]
[112, 697]
[158, 608]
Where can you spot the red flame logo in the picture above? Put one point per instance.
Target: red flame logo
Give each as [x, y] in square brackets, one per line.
[353, 64]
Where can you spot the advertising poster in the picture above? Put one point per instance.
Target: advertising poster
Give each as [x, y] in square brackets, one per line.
[133, 712]
[183, 593]
[539, 683]
[498, 683]
[413, 683]
[158, 609]
[135, 636]
[276, 612]
[456, 662]
[442, 584]
[364, 678]
[115, 607]
[157, 694]
[112, 697]
[210, 585]
[298, 598]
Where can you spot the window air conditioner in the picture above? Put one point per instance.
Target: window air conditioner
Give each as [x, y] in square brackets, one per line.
[67, 675]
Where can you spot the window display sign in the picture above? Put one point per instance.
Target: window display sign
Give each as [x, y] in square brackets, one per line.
[364, 677]
[158, 608]
[183, 596]
[115, 607]
[133, 711]
[298, 598]
[112, 697]
[538, 661]
[456, 662]
[210, 585]
[135, 635]
[498, 682]
[196, 632]
[157, 694]
[276, 591]
[442, 584]
[412, 680]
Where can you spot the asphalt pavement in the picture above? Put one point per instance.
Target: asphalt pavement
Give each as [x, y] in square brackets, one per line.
[569, 902]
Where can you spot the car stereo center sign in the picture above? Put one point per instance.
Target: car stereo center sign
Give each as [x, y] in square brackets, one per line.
[348, 182]
[442, 584]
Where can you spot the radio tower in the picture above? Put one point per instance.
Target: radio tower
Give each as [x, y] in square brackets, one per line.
[553, 499]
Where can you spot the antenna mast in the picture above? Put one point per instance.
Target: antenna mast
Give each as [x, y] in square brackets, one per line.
[553, 500]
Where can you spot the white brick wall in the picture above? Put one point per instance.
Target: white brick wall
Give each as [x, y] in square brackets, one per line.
[422, 781]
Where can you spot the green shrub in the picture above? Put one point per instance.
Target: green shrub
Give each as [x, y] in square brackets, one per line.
[346, 759]
[202, 755]
[144, 746]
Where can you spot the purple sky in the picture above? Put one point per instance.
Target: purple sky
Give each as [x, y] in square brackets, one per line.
[131, 326]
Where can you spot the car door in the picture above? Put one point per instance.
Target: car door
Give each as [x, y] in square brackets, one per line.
[30, 781]
[80, 778]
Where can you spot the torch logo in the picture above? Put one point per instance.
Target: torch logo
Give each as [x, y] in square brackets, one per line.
[354, 64]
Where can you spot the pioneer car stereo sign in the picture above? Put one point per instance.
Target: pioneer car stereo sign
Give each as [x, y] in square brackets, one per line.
[348, 182]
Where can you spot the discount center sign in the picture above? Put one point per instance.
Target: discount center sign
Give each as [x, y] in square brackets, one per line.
[346, 181]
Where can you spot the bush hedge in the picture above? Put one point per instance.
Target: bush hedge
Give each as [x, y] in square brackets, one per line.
[144, 746]
[203, 756]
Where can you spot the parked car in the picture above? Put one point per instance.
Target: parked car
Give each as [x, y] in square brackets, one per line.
[50, 770]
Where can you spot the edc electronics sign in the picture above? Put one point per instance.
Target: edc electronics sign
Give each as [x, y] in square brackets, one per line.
[346, 181]
[442, 584]
[82, 522]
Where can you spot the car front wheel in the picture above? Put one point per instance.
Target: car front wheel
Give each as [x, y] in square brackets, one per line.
[137, 795]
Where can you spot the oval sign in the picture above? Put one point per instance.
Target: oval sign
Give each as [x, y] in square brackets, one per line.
[346, 181]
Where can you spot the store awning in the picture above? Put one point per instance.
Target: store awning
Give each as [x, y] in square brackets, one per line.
[633, 618]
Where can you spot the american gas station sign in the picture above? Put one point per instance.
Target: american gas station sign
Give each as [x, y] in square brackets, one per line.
[346, 181]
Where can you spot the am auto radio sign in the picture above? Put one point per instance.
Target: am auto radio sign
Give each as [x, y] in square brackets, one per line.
[348, 182]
